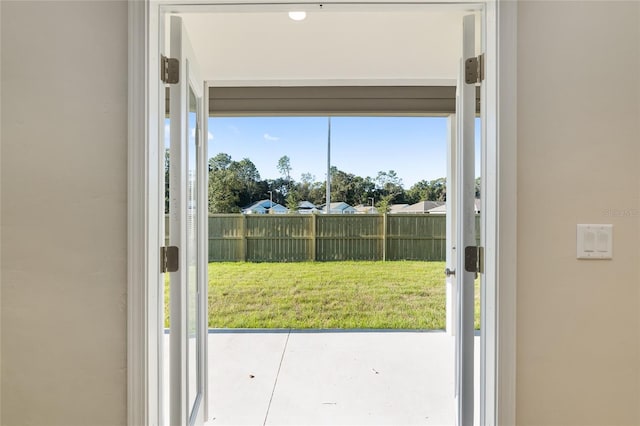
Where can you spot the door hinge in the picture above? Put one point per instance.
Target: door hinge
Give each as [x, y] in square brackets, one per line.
[169, 260]
[474, 69]
[474, 259]
[169, 70]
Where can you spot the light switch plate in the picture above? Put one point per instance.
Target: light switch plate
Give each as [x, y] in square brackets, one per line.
[594, 241]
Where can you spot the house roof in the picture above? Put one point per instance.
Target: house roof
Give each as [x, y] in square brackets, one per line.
[422, 206]
[361, 208]
[438, 210]
[262, 203]
[443, 208]
[397, 208]
[306, 205]
[263, 206]
[339, 206]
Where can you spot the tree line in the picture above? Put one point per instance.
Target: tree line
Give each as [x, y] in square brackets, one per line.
[234, 185]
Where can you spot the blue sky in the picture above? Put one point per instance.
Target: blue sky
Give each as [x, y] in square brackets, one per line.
[415, 147]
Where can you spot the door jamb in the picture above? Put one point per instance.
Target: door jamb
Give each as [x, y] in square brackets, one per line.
[503, 224]
[143, 226]
[144, 314]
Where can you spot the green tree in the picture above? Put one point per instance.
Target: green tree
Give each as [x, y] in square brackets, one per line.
[284, 167]
[308, 189]
[435, 190]
[224, 191]
[249, 177]
[236, 184]
[438, 190]
[292, 201]
[307, 178]
[384, 205]
[317, 193]
[341, 186]
[418, 192]
[232, 184]
[389, 185]
[279, 190]
[350, 188]
[364, 188]
[219, 162]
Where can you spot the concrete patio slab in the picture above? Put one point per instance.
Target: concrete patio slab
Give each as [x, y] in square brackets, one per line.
[242, 371]
[365, 378]
[332, 377]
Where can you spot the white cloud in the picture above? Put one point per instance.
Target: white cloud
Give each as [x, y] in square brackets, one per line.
[268, 137]
[210, 136]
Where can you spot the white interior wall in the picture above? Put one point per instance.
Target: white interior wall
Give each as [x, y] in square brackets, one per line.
[64, 213]
[578, 328]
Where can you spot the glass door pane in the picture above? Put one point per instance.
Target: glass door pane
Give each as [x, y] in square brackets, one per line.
[193, 334]
[187, 211]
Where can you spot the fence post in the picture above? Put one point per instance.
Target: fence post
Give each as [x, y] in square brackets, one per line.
[243, 243]
[312, 238]
[384, 237]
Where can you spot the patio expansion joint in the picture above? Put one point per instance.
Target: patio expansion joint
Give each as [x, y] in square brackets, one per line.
[275, 382]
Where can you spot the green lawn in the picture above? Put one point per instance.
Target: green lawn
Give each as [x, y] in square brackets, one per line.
[401, 295]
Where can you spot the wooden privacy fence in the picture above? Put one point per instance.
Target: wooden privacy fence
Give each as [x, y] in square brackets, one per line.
[297, 238]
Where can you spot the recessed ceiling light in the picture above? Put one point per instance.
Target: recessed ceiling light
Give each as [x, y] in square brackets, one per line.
[297, 16]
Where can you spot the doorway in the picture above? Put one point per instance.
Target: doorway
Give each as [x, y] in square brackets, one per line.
[489, 130]
[186, 369]
[391, 372]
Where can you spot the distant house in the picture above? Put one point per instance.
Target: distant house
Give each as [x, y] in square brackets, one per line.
[339, 208]
[443, 208]
[365, 209]
[422, 206]
[307, 207]
[398, 208]
[265, 207]
[438, 210]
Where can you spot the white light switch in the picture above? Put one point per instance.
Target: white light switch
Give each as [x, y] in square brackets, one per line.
[595, 241]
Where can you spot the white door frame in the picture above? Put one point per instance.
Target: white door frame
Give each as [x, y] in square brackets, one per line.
[144, 312]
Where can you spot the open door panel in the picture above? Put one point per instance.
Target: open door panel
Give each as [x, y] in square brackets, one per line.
[465, 232]
[187, 227]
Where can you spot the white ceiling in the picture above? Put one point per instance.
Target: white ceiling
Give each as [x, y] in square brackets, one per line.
[413, 46]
